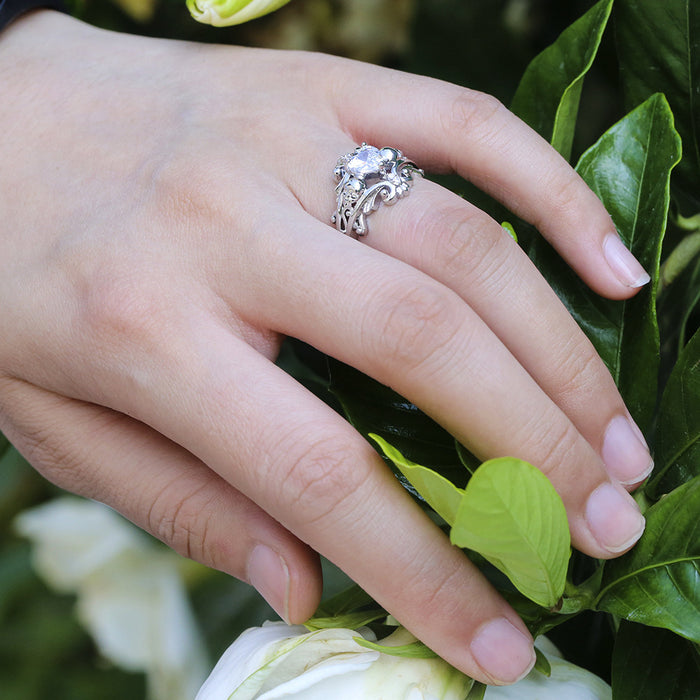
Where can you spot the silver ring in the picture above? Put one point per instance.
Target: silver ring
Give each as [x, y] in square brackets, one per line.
[367, 177]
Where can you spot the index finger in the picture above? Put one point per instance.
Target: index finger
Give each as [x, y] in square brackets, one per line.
[444, 127]
[308, 468]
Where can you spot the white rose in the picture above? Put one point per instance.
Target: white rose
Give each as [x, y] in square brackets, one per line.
[279, 661]
[131, 597]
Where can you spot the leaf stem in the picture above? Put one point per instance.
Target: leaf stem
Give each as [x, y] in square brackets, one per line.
[684, 253]
[687, 223]
[582, 596]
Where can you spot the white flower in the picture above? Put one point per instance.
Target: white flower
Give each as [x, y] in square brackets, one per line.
[566, 682]
[279, 661]
[131, 597]
[224, 13]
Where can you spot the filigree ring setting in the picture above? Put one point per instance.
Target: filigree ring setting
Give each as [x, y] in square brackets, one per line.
[367, 177]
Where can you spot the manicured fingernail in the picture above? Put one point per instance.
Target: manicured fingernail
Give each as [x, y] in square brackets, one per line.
[614, 518]
[623, 264]
[504, 653]
[625, 454]
[269, 575]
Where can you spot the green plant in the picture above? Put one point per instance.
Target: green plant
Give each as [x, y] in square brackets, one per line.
[651, 345]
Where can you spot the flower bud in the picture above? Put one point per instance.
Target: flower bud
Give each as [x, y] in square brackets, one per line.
[224, 13]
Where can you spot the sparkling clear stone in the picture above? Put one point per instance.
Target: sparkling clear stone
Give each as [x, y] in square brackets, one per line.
[367, 161]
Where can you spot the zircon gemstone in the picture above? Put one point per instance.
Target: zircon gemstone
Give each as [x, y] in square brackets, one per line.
[366, 161]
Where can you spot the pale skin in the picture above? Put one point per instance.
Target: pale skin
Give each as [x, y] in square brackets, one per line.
[166, 222]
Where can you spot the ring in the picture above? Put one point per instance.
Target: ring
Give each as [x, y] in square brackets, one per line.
[367, 177]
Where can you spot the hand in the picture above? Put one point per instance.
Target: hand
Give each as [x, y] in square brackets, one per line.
[166, 222]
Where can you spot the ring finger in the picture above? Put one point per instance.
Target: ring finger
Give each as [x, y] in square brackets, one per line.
[412, 332]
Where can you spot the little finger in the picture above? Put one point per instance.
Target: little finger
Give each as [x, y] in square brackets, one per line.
[104, 455]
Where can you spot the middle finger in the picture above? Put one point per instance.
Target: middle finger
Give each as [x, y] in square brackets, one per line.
[413, 333]
[462, 247]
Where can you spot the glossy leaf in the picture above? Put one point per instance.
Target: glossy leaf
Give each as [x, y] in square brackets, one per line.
[513, 517]
[657, 582]
[677, 452]
[347, 600]
[550, 90]
[440, 494]
[538, 620]
[659, 51]
[374, 408]
[650, 663]
[691, 305]
[629, 169]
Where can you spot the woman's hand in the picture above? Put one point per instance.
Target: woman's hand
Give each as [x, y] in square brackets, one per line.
[165, 222]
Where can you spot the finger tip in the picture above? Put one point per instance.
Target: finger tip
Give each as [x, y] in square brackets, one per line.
[504, 651]
[627, 272]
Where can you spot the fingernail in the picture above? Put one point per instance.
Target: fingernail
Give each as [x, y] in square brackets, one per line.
[269, 575]
[504, 653]
[625, 454]
[625, 266]
[614, 518]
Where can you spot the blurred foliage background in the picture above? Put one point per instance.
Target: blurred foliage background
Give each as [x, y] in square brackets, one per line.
[482, 44]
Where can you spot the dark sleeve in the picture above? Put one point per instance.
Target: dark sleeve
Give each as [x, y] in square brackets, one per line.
[11, 9]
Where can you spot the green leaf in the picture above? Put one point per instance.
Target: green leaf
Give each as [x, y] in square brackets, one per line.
[415, 650]
[374, 408]
[659, 51]
[549, 92]
[657, 583]
[477, 692]
[468, 460]
[629, 169]
[538, 619]
[513, 517]
[677, 452]
[542, 663]
[350, 621]
[650, 663]
[510, 230]
[691, 304]
[344, 602]
[440, 494]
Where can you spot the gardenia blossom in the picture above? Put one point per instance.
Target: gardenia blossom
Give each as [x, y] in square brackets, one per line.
[224, 13]
[280, 661]
[131, 597]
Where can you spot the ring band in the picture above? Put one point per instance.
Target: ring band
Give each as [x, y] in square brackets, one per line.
[367, 177]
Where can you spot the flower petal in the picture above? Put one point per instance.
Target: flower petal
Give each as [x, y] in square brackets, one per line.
[224, 13]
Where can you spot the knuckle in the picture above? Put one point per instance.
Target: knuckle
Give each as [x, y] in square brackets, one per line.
[445, 581]
[577, 372]
[555, 444]
[321, 479]
[564, 193]
[471, 110]
[435, 580]
[54, 459]
[43, 442]
[187, 191]
[180, 516]
[123, 306]
[414, 325]
[464, 243]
